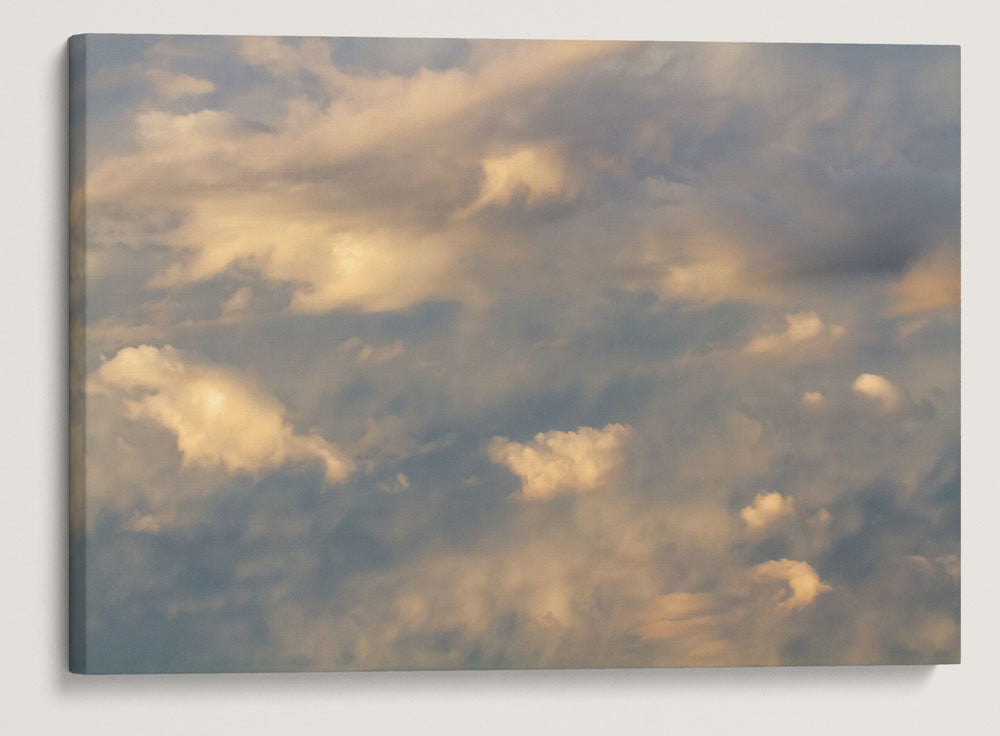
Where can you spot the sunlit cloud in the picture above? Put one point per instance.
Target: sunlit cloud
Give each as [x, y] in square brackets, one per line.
[373, 270]
[802, 327]
[710, 274]
[931, 284]
[803, 582]
[220, 418]
[534, 176]
[766, 508]
[244, 199]
[563, 462]
[878, 389]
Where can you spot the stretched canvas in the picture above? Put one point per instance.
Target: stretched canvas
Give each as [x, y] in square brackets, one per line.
[464, 354]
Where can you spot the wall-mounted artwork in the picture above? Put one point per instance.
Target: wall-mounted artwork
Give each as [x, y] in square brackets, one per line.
[477, 354]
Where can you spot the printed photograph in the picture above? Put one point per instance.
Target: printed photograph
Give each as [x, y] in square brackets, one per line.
[411, 354]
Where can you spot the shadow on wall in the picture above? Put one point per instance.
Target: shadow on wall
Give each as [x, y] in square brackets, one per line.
[634, 681]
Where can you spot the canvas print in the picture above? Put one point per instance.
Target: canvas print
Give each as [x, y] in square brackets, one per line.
[473, 354]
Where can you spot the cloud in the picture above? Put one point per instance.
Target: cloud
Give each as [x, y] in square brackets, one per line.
[949, 565]
[802, 326]
[695, 623]
[536, 175]
[932, 283]
[705, 280]
[877, 389]
[237, 302]
[767, 507]
[681, 615]
[367, 269]
[563, 462]
[812, 398]
[802, 579]
[280, 58]
[144, 523]
[342, 198]
[171, 86]
[519, 594]
[712, 272]
[399, 484]
[220, 418]
[377, 354]
[820, 520]
[371, 166]
[906, 329]
[389, 110]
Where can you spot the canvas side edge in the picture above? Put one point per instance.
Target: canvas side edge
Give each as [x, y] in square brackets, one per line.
[77, 354]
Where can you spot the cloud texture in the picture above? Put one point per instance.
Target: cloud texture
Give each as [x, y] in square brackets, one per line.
[563, 462]
[218, 417]
[803, 582]
[428, 353]
[766, 507]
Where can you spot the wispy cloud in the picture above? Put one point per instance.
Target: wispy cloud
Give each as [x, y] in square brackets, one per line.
[802, 327]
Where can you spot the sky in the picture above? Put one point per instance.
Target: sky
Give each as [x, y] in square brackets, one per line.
[448, 354]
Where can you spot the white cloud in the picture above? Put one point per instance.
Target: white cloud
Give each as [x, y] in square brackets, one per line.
[767, 507]
[802, 579]
[802, 326]
[877, 388]
[563, 462]
[220, 418]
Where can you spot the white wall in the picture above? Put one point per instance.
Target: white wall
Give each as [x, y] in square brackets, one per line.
[37, 694]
